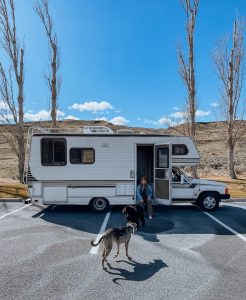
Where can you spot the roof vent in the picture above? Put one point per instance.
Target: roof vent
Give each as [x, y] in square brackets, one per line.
[98, 130]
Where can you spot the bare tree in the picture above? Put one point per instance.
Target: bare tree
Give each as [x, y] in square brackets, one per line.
[230, 68]
[52, 77]
[11, 110]
[187, 68]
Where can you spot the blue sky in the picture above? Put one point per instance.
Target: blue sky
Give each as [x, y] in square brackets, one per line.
[119, 59]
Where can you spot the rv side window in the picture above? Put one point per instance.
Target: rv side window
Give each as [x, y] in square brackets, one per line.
[82, 156]
[53, 152]
[179, 149]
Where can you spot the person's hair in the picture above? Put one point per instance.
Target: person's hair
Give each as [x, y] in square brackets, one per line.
[144, 178]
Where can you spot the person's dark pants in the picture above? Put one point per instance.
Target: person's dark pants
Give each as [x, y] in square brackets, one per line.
[147, 203]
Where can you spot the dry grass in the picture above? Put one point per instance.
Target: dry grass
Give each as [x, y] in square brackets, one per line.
[237, 187]
[14, 190]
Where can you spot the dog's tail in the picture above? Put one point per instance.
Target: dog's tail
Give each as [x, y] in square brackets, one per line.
[93, 244]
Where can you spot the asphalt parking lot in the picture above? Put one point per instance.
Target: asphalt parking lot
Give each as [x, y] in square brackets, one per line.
[182, 253]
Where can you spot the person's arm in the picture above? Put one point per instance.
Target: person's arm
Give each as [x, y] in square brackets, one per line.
[150, 192]
[139, 197]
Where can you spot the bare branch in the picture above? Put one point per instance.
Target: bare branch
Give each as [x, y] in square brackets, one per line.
[52, 78]
[230, 68]
[187, 70]
[12, 113]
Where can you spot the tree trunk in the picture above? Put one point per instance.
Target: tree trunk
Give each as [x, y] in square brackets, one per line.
[53, 87]
[20, 134]
[231, 167]
[231, 118]
[192, 94]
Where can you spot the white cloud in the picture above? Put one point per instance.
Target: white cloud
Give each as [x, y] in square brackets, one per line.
[6, 113]
[92, 106]
[214, 104]
[116, 120]
[70, 117]
[9, 118]
[42, 115]
[165, 121]
[175, 108]
[139, 119]
[179, 115]
[175, 118]
[119, 120]
[2, 105]
[183, 114]
[202, 113]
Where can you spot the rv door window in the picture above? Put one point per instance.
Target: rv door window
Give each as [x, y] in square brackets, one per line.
[163, 158]
[53, 152]
[82, 156]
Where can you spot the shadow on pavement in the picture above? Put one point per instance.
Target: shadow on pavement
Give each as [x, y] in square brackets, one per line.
[73, 216]
[175, 219]
[141, 272]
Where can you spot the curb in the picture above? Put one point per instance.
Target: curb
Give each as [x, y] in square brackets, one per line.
[14, 200]
[235, 200]
[11, 200]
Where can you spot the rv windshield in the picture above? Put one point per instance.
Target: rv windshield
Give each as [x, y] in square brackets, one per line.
[176, 175]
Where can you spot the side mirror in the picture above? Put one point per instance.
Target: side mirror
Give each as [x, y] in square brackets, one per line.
[182, 179]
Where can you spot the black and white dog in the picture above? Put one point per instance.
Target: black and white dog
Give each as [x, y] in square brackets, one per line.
[134, 213]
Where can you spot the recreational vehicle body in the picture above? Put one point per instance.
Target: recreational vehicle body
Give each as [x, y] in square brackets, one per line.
[98, 167]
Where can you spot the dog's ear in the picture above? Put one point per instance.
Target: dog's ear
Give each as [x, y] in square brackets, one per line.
[124, 210]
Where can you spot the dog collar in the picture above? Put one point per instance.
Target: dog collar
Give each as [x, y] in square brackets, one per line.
[129, 224]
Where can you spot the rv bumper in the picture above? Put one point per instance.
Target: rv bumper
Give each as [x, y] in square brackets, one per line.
[225, 196]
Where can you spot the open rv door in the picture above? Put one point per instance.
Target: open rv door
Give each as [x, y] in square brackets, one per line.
[163, 174]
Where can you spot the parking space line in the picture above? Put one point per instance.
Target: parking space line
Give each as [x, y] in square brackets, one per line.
[94, 250]
[234, 205]
[226, 226]
[14, 211]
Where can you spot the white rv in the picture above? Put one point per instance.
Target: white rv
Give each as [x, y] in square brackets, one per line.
[97, 167]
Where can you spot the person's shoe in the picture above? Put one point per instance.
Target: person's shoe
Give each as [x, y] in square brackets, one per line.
[150, 217]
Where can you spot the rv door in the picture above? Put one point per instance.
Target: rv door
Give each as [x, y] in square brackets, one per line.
[162, 174]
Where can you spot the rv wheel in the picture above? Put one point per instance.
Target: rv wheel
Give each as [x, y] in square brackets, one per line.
[99, 205]
[209, 201]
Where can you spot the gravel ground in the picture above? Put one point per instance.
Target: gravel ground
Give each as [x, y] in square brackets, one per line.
[181, 254]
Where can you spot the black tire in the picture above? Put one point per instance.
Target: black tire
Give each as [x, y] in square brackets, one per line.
[99, 205]
[208, 201]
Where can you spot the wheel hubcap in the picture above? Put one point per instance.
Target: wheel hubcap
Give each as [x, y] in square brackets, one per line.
[209, 202]
[99, 204]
